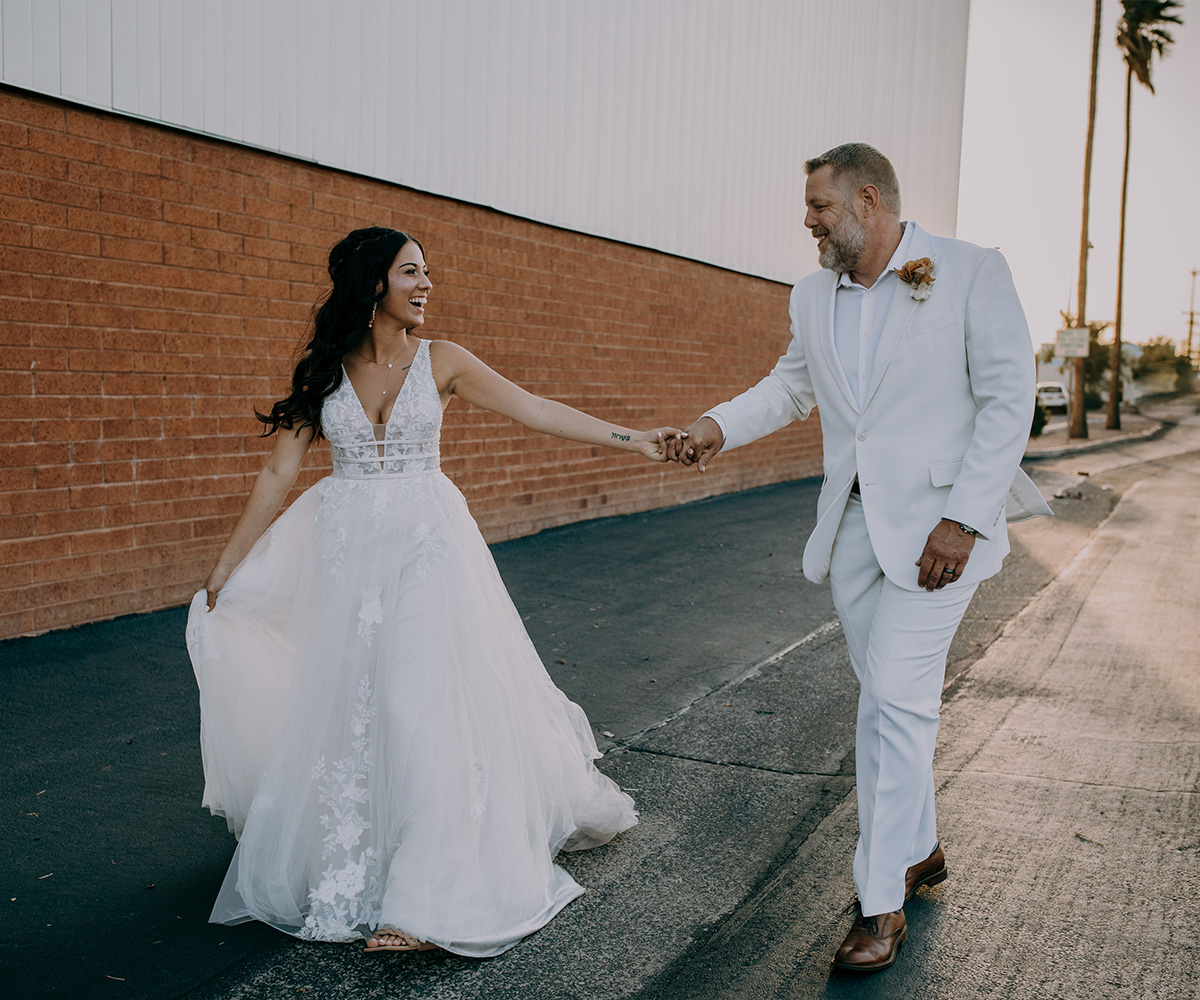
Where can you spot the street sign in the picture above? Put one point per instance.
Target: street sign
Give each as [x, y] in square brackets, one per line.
[1072, 342]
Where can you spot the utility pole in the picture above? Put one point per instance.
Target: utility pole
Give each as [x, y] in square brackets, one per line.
[1077, 424]
[1191, 314]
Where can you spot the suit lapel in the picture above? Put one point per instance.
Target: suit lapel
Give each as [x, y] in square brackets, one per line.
[828, 346]
[901, 313]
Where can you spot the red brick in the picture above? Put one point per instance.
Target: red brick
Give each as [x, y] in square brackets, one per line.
[100, 223]
[189, 257]
[59, 613]
[36, 358]
[133, 340]
[60, 144]
[71, 568]
[131, 385]
[191, 215]
[16, 526]
[101, 361]
[169, 145]
[56, 476]
[158, 362]
[25, 259]
[66, 240]
[40, 213]
[95, 175]
[14, 183]
[129, 160]
[211, 239]
[132, 295]
[63, 383]
[169, 531]
[131, 249]
[36, 164]
[13, 134]
[15, 233]
[64, 289]
[165, 188]
[130, 205]
[64, 430]
[101, 541]
[103, 128]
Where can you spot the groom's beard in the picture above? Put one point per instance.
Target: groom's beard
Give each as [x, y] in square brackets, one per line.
[845, 245]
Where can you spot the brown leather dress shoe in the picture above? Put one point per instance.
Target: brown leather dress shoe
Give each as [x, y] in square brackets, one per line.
[872, 943]
[931, 871]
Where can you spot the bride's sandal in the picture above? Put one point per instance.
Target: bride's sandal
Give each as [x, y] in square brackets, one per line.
[390, 939]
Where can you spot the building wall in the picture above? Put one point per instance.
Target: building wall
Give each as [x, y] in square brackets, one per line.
[678, 125]
[155, 285]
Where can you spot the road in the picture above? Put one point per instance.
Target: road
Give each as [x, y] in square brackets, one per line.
[688, 634]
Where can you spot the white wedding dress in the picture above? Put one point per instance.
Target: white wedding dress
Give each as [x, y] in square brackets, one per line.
[376, 725]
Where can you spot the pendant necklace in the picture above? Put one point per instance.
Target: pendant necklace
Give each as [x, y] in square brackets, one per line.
[387, 364]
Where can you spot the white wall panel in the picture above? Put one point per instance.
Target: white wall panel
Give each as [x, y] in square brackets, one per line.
[45, 44]
[679, 125]
[212, 77]
[170, 60]
[192, 64]
[16, 42]
[73, 50]
[125, 57]
[99, 53]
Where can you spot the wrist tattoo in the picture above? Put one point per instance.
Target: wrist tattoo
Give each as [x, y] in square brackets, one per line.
[620, 437]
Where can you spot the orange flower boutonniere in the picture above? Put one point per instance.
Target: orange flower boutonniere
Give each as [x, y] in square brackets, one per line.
[919, 274]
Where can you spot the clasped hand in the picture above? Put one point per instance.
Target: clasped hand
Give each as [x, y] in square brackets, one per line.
[698, 445]
[657, 444]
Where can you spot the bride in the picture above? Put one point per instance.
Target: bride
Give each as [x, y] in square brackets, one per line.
[376, 726]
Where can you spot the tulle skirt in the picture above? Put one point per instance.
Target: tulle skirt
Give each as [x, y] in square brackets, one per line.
[380, 733]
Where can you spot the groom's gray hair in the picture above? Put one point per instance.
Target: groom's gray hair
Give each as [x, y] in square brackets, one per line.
[855, 165]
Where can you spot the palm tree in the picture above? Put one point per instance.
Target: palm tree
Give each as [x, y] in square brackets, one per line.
[1140, 36]
[1078, 422]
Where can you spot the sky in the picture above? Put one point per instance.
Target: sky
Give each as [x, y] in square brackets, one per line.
[1021, 183]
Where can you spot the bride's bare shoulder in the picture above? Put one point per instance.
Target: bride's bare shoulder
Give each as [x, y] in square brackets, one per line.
[449, 362]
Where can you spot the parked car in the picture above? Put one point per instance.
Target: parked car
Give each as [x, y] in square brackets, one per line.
[1052, 395]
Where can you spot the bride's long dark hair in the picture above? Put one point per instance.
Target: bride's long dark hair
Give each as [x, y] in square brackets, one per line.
[358, 268]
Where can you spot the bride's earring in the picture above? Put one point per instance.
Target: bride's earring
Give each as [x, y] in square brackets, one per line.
[374, 306]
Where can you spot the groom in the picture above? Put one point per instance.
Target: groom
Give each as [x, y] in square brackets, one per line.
[915, 350]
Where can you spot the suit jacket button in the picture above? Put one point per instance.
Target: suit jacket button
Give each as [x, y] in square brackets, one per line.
[862, 436]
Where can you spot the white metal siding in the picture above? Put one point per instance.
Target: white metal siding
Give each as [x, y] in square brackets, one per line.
[679, 125]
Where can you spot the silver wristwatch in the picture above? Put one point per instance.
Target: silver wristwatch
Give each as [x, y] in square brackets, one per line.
[966, 529]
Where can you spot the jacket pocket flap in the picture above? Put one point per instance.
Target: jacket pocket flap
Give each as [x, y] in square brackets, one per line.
[944, 473]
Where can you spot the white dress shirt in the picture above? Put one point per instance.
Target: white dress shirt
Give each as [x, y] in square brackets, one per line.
[859, 315]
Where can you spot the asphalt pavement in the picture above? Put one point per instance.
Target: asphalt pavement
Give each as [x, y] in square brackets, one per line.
[718, 681]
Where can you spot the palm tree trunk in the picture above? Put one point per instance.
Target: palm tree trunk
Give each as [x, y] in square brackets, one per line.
[1077, 427]
[1114, 382]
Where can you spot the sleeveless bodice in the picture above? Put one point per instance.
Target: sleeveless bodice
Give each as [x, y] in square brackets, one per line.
[410, 441]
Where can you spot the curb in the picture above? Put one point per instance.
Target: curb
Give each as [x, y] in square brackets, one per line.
[1147, 435]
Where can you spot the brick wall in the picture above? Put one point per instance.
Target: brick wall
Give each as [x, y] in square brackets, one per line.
[155, 285]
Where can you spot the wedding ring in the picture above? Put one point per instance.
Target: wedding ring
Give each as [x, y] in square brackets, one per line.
[948, 571]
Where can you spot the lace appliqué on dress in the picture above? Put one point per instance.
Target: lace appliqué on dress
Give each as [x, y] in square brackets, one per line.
[479, 788]
[370, 614]
[431, 550]
[336, 555]
[347, 897]
[380, 506]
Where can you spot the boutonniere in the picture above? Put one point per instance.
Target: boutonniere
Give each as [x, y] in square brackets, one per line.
[919, 274]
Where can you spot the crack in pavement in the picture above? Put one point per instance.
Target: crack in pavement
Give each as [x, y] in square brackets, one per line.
[1078, 782]
[735, 763]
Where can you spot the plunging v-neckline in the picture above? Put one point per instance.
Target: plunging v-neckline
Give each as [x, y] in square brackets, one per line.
[387, 421]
